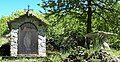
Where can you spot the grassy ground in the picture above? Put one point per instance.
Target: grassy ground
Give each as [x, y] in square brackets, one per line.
[114, 52]
[53, 56]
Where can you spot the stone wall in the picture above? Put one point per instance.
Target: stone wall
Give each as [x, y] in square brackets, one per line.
[40, 26]
[13, 40]
[41, 45]
[42, 41]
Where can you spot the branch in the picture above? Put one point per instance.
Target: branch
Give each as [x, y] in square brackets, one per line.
[101, 7]
[102, 2]
[100, 15]
[83, 12]
[75, 13]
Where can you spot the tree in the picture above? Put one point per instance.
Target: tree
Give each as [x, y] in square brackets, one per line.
[109, 23]
[65, 33]
[78, 8]
[4, 19]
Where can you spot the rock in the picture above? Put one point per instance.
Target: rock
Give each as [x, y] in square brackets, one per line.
[106, 46]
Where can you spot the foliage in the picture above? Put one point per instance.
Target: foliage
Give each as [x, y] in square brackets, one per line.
[4, 19]
[78, 8]
[67, 27]
[65, 33]
[72, 19]
[4, 26]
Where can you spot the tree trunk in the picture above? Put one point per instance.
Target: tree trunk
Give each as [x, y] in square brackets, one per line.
[89, 22]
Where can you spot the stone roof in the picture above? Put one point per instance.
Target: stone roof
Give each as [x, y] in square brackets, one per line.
[28, 16]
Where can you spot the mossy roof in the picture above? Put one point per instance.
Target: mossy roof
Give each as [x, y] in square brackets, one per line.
[31, 15]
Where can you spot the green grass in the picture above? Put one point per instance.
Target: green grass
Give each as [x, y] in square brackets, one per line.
[3, 41]
[55, 56]
[25, 60]
[51, 57]
[114, 52]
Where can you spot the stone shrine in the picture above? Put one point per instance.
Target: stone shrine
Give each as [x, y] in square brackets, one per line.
[27, 36]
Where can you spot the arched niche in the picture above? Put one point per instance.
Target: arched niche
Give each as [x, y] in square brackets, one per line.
[27, 39]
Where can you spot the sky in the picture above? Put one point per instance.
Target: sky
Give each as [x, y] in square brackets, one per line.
[9, 6]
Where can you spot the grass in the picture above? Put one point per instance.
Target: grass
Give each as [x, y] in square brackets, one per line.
[114, 52]
[25, 60]
[51, 57]
[54, 56]
[3, 41]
